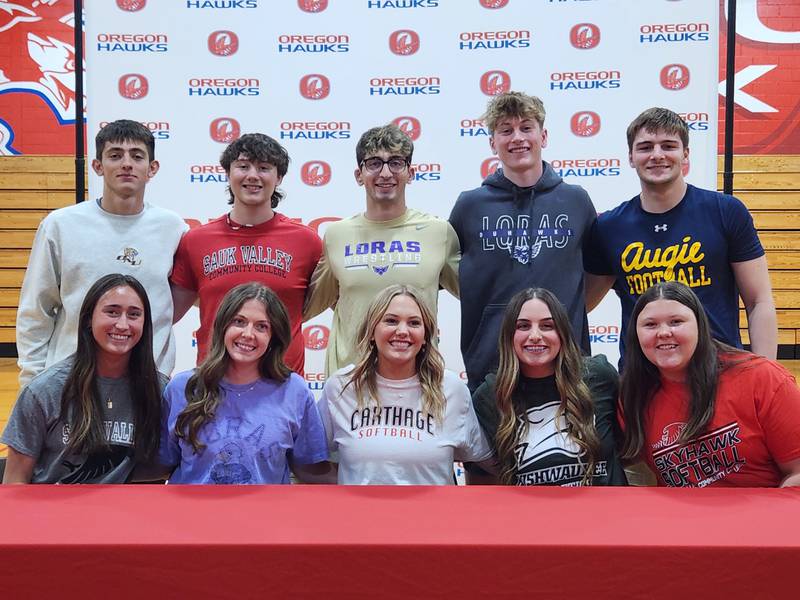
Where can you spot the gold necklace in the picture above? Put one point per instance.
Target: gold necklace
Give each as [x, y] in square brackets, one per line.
[109, 401]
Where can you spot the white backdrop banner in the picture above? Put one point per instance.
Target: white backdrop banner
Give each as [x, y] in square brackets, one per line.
[315, 74]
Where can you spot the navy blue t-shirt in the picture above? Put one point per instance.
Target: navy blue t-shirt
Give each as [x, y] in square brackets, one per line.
[695, 243]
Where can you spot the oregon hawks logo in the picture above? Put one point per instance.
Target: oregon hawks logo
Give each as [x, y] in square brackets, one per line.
[585, 123]
[316, 337]
[133, 86]
[674, 77]
[316, 173]
[584, 36]
[224, 130]
[494, 83]
[315, 86]
[489, 166]
[223, 43]
[410, 126]
[312, 6]
[404, 42]
[131, 5]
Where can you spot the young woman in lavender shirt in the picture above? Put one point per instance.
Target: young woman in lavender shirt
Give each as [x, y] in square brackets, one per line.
[242, 417]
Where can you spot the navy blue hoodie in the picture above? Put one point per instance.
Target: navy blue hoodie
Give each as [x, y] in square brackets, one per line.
[513, 238]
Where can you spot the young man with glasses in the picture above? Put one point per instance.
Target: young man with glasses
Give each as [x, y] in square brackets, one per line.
[524, 227]
[389, 243]
[252, 242]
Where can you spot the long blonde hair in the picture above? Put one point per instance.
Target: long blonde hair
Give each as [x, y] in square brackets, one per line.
[429, 362]
[576, 402]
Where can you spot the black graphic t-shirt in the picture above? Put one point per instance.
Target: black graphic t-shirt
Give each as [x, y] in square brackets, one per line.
[546, 455]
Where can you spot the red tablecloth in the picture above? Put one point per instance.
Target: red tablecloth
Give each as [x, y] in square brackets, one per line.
[415, 542]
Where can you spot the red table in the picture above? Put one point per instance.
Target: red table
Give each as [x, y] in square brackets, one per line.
[414, 542]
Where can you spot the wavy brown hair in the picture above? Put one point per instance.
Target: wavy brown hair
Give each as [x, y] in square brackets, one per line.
[641, 378]
[576, 402]
[81, 405]
[256, 147]
[203, 395]
[429, 362]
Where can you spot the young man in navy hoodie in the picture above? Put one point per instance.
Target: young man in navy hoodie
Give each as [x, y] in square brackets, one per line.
[523, 227]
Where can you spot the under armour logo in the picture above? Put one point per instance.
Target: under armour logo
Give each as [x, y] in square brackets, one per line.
[660, 227]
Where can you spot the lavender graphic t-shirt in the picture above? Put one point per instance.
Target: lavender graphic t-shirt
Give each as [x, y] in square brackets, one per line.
[255, 430]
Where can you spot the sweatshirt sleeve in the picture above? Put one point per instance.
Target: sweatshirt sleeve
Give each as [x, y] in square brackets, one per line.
[485, 409]
[39, 303]
[448, 278]
[603, 382]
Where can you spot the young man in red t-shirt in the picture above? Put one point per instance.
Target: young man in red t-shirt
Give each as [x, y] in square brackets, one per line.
[250, 243]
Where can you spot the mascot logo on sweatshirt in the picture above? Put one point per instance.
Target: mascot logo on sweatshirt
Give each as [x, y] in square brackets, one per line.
[129, 256]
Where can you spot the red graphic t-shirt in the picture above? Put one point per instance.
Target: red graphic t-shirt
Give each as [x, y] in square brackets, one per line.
[756, 426]
[216, 257]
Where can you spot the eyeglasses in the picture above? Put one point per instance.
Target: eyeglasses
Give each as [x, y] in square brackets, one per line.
[375, 164]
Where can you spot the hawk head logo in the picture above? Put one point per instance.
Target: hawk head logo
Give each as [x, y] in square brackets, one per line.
[494, 83]
[584, 36]
[315, 86]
